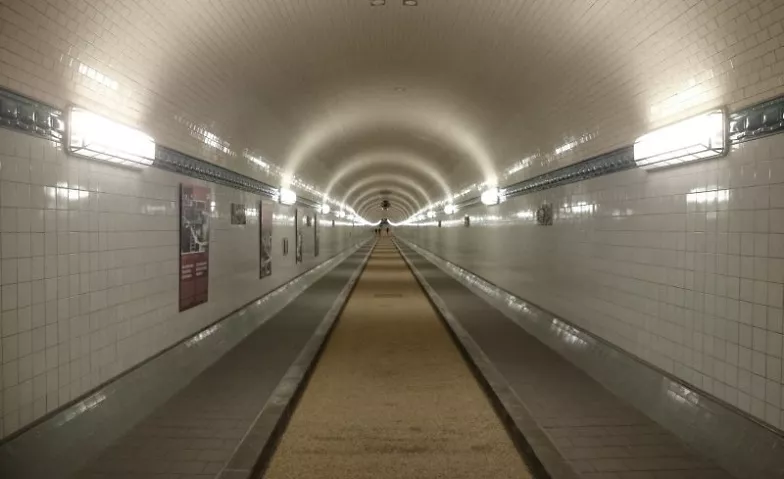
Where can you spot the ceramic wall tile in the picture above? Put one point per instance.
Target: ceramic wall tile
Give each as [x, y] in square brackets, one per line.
[89, 278]
[664, 273]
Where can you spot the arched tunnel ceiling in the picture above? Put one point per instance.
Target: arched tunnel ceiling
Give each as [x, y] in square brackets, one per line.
[440, 95]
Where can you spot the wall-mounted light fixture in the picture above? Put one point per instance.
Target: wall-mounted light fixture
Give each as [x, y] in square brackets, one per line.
[325, 209]
[287, 197]
[698, 138]
[431, 214]
[449, 209]
[98, 138]
[491, 197]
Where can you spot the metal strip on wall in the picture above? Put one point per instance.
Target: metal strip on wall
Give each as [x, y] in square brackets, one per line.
[176, 162]
[29, 116]
[605, 164]
[756, 121]
[26, 115]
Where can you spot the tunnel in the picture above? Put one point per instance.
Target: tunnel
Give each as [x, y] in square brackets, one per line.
[245, 239]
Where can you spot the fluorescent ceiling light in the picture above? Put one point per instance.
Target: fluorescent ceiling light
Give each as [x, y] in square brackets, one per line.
[449, 209]
[341, 214]
[287, 197]
[698, 138]
[431, 214]
[491, 197]
[325, 209]
[99, 138]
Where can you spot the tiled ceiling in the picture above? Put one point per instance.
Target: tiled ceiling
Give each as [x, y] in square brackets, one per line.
[434, 97]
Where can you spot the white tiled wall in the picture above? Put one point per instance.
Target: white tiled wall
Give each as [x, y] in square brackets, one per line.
[89, 252]
[291, 80]
[89, 262]
[682, 267]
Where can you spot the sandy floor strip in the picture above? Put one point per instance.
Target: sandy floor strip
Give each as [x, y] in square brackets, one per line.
[391, 397]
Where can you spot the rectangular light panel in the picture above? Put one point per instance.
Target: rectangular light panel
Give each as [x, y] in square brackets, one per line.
[491, 197]
[287, 197]
[698, 138]
[99, 138]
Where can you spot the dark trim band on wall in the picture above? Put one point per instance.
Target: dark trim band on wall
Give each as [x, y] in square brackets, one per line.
[25, 115]
[29, 116]
[756, 121]
[176, 162]
[605, 164]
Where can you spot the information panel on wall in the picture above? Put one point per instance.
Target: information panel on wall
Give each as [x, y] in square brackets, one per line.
[265, 240]
[195, 204]
[238, 214]
[316, 234]
[297, 237]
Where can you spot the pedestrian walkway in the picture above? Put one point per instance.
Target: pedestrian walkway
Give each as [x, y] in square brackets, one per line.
[589, 430]
[391, 396]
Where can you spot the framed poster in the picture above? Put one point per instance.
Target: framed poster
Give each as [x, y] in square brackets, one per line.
[265, 240]
[544, 215]
[316, 234]
[238, 214]
[297, 238]
[195, 204]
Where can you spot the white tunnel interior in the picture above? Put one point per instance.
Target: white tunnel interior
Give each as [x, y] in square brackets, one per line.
[446, 94]
[350, 104]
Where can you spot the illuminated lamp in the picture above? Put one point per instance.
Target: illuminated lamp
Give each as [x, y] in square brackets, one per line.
[491, 197]
[287, 197]
[99, 138]
[698, 138]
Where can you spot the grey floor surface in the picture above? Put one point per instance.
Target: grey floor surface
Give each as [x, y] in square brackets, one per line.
[195, 433]
[599, 435]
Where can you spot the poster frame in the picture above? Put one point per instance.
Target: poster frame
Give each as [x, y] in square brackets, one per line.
[194, 266]
[265, 240]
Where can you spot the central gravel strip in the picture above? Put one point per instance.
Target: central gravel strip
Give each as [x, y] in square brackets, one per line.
[391, 397]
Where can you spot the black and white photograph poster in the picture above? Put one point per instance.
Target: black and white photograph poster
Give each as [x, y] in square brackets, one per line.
[265, 240]
[238, 214]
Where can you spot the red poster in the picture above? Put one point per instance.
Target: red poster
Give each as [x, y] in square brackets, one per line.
[195, 206]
